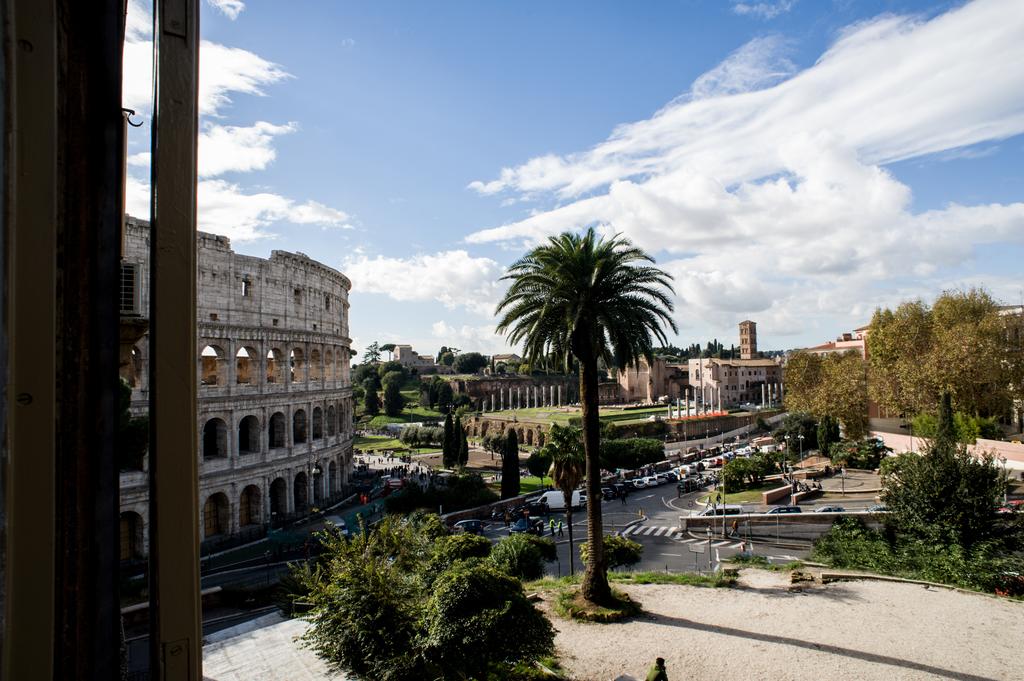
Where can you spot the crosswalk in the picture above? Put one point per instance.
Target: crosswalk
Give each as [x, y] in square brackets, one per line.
[678, 535]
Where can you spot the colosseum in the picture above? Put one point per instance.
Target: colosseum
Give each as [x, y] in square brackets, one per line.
[275, 401]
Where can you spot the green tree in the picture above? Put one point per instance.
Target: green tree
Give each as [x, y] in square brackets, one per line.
[371, 355]
[388, 348]
[586, 298]
[447, 359]
[132, 433]
[366, 372]
[945, 495]
[385, 368]
[445, 396]
[371, 402]
[830, 385]
[449, 451]
[522, 555]
[469, 363]
[539, 462]
[828, 434]
[960, 345]
[510, 466]
[464, 449]
[568, 468]
[393, 400]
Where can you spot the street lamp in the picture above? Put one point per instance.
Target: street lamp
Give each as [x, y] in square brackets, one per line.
[801, 438]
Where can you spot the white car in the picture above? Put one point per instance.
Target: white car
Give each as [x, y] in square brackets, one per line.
[338, 522]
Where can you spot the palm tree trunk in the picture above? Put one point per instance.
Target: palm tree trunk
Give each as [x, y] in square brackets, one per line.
[595, 579]
[568, 519]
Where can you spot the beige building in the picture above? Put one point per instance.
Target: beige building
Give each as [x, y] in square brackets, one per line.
[844, 343]
[275, 408]
[650, 382]
[748, 340]
[408, 358]
[733, 382]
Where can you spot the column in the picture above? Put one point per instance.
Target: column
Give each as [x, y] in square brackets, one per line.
[265, 517]
[762, 395]
[559, 395]
[289, 492]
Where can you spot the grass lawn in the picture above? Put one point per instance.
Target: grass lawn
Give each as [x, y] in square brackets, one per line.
[747, 496]
[527, 484]
[376, 443]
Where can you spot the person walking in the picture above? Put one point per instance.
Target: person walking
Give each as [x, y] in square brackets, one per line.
[551, 526]
[560, 532]
[657, 672]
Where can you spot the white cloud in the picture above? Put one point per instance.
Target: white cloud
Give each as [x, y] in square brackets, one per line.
[759, 63]
[229, 8]
[763, 10]
[469, 338]
[227, 209]
[453, 278]
[226, 148]
[765, 193]
[222, 69]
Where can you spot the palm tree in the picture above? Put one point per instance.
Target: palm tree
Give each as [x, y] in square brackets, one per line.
[568, 468]
[588, 298]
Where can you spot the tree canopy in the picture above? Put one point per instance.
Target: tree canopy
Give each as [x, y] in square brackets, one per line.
[832, 385]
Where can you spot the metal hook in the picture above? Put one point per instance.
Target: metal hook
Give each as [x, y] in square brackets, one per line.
[128, 113]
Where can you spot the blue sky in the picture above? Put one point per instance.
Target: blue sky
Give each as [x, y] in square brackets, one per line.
[798, 163]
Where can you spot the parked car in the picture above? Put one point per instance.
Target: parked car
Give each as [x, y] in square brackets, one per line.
[877, 508]
[652, 481]
[786, 509]
[470, 527]
[1013, 506]
[609, 493]
[338, 523]
[829, 509]
[555, 500]
[637, 483]
[538, 507]
[529, 525]
[722, 509]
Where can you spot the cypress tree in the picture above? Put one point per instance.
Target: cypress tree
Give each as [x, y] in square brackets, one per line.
[510, 466]
[464, 449]
[447, 442]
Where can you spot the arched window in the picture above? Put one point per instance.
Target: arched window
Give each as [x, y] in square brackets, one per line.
[297, 362]
[318, 483]
[215, 439]
[315, 370]
[249, 506]
[216, 518]
[277, 431]
[332, 477]
[249, 435]
[246, 365]
[332, 416]
[299, 427]
[278, 498]
[214, 367]
[318, 423]
[328, 365]
[131, 536]
[301, 491]
[275, 366]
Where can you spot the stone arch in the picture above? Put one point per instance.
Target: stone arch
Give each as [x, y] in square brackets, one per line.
[299, 426]
[278, 497]
[249, 506]
[275, 366]
[332, 477]
[318, 423]
[318, 482]
[483, 428]
[529, 437]
[132, 540]
[328, 364]
[300, 490]
[216, 515]
[247, 363]
[215, 439]
[316, 370]
[249, 435]
[540, 438]
[297, 363]
[276, 431]
[332, 425]
[213, 366]
[520, 436]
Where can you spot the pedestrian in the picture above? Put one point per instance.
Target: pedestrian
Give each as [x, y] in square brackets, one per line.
[508, 519]
[657, 672]
[733, 528]
[560, 533]
[623, 497]
[551, 526]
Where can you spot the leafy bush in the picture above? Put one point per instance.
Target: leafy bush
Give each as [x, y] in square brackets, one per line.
[968, 428]
[618, 551]
[522, 555]
[862, 454]
[741, 473]
[463, 491]
[422, 436]
[478, 615]
[378, 612]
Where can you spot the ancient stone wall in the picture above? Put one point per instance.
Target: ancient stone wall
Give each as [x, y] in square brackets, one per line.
[275, 408]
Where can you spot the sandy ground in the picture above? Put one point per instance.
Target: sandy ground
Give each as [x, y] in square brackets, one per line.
[761, 630]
